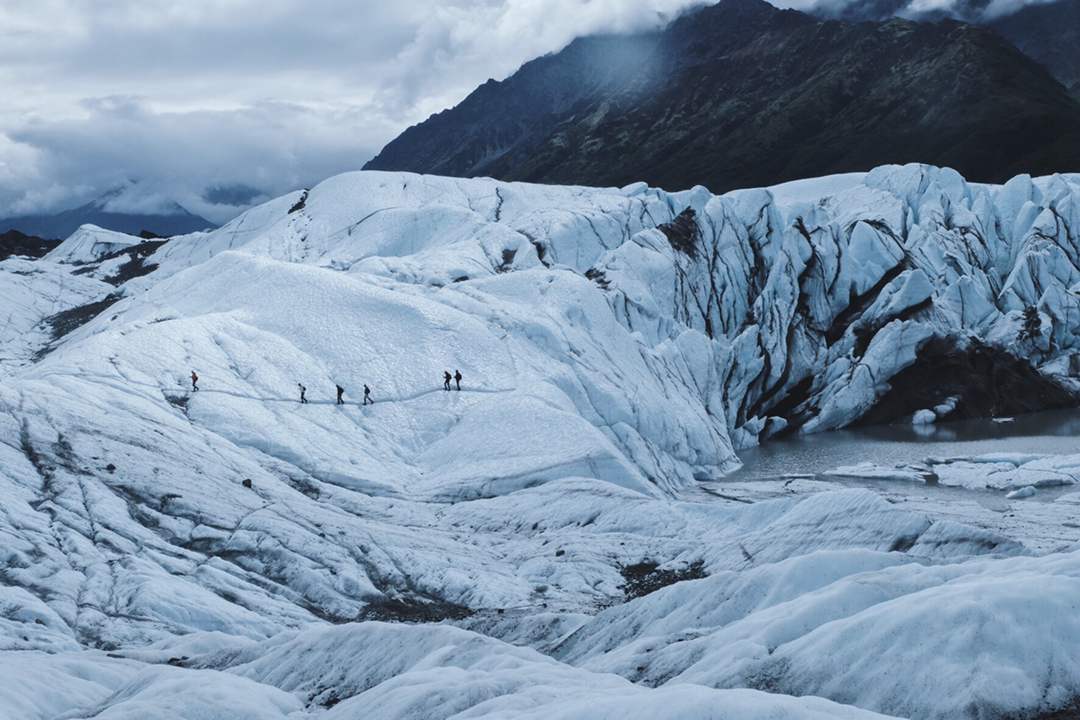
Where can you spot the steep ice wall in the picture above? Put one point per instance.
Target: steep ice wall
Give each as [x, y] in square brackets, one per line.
[905, 290]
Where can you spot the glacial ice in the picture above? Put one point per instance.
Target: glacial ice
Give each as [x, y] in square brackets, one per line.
[168, 553]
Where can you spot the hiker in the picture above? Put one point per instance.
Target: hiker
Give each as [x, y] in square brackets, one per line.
[457, 378]
[302, 391]
[446, 380]
[367, 396]
[194, 380]
[340, 390]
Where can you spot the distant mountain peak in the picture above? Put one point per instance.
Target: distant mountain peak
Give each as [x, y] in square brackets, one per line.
[122, 209]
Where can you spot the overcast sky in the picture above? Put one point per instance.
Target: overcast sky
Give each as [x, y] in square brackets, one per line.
[218, 103]
[210, 102]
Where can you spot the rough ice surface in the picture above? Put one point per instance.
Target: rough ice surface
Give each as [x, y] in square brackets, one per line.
[993, 471]
[232, 553]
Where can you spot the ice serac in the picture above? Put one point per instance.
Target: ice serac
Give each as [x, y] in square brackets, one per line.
[900, 292]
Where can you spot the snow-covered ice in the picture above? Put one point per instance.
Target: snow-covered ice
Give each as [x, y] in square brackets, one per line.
[232, 553]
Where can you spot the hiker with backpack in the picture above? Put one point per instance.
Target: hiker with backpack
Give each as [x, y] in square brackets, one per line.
[303, 390]
[367, 396]
[194, 381]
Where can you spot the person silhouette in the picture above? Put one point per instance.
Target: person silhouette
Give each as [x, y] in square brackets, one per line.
[367, 396]
[194, 380]
[457, 378]
[302, 391]
[340, 391]
[446, 380]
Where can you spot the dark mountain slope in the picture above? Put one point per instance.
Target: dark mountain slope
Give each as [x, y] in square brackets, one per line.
[501, 122]
[741, 94]
[1050, 33]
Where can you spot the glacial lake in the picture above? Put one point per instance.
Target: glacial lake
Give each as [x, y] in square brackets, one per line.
[1050, 432]
[797, 465]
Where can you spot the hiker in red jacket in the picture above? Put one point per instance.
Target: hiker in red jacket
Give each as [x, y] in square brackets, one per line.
[194, 380]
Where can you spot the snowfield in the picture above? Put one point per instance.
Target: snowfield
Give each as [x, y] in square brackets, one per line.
[550, 540]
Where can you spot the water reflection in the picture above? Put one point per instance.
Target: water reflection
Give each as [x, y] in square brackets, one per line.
[1050, 432]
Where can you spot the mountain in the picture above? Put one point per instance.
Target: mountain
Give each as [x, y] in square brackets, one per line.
[1049, 33]
[165, 222]
[741, 94]
[556, 539]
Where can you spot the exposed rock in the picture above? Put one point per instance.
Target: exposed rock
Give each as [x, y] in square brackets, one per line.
[741, 94]
[14, 242]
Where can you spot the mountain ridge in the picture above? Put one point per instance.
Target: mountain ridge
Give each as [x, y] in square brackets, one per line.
[61, 225]
[1048, 32]
[742, 94]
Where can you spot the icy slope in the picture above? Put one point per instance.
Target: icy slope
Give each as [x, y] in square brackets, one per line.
[862, 628]
[613, 345]
[750, 315]
[426, 673]
[865, 629]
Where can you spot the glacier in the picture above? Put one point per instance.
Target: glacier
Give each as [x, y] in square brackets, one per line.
[231, 553]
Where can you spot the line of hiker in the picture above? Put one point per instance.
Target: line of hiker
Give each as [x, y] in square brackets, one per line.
[447, 377]
[340, 394]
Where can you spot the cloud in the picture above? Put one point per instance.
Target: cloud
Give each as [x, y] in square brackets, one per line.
[921, 7]
[1002, 8]
[238, 195]
[974, 11]
[460, 45]
[182, 97]
[268, 95]
[273, 147]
